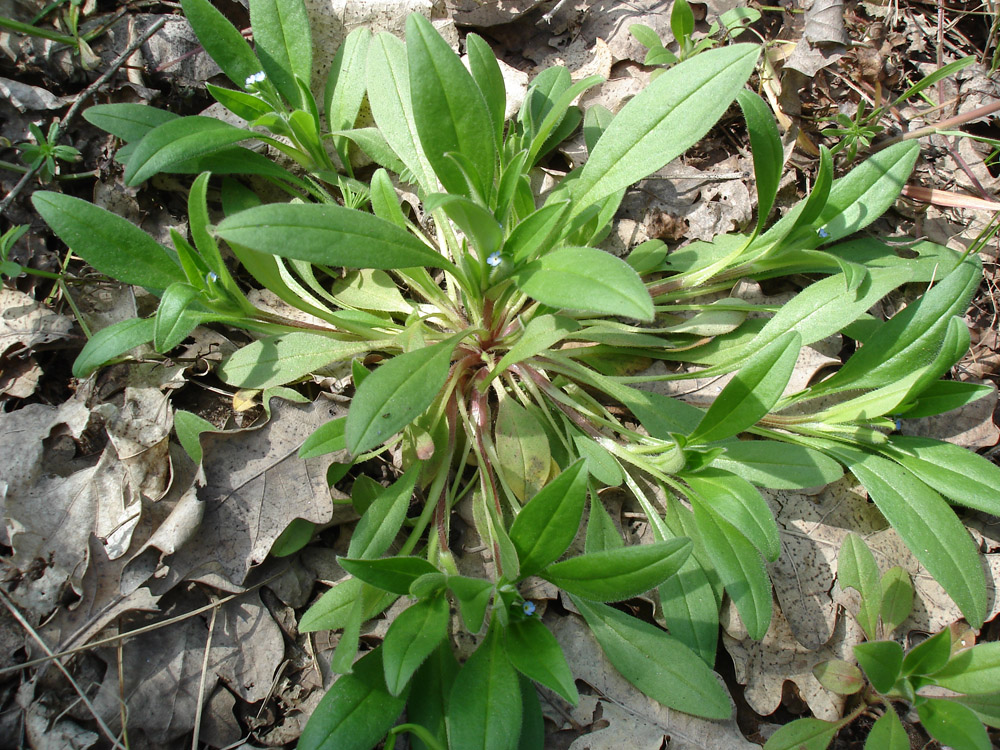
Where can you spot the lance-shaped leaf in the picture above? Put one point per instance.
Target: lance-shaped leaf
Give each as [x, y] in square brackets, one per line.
[484, 711]
[739, 566]
[277, 360]
[586, 279]
[283, 37]
[129, 121]
[523, 449]
[356, 712]
[328, 235]
[109, 243]
[739, 502]
[778, 466]
[911, 338]
[411, 638]
[617, 574]
[975, 671]
[663, 121]
[448, 108]
[174, 317]
[960, 475]
[393, 574]
[547, 524]
[177, 141]
[536, 654]
[382, 521]
[389, 95]
[221, 40]
[856, 569]
[397, 393]
[765, 144]
[926, 523]
[803, 734]
[660, 666]
[752, 392]
[112, 342]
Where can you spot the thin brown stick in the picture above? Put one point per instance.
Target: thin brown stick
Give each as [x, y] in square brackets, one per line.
[80, 99]
[200, 706]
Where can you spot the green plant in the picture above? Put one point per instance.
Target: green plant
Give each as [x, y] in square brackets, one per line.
[70, 19]
[42, 154]
[735, 21]
[506, 335]
[954, 716]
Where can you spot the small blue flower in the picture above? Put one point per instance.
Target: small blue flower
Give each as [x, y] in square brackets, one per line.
[528, 608]
[494, 259]
[254, 79]
[822, 232]
[211, 277]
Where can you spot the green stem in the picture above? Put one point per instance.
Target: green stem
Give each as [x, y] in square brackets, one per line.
[24, 28]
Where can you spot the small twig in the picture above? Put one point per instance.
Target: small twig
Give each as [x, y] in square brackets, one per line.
[78, 102]
[199, 707]
[79, 690]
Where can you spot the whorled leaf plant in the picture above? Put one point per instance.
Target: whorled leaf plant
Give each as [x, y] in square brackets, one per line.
[508, 344]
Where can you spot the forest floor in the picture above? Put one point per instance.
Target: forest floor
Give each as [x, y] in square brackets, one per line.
[90, 474]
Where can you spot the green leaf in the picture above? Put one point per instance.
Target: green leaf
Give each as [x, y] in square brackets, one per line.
[587, 279]
[397, 393]
[356, 712]
[536, 654]
[690, 609]
[389, 95]
[765, 145]
[740, 504]
[486, 72]
[327, 438]
[960, 475]
[532, 735]
[740, 568]
[129, 121]
[617, 574]
[383, 519]
[595, 122]
[601, 465]
[803, 734]
[986, 707]
[221, 40]
[240, 103]
[107, 242]
[927, 525]
[930, 656]
[522, 448]
[975, 671]
[750, 395]
[345, 84]
[945, 395]
[411, 638]
[897, 598]
[477, 223]
[778, 466]
[839, 676]
[547, 524]
[657, 664]
[180, 140]
[112, 342]
[485, 703]
[473, 595]
[393, 574]
[882, 662]
[888, 733]
[536, 232]
[908, 340]
[295, 536]
[645, 35]
[282, 34]
[174, 317]
[601, 531]
[663, 121]
[276, 360]
[331, 611]
[328, 235]
[189, 428]
[427, 705]
[953, 724]
[448, 108]
[385, 202]
[682, 23]
[856, 569]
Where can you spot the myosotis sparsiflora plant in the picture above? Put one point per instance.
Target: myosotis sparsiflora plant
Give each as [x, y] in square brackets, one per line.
[509, 345]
